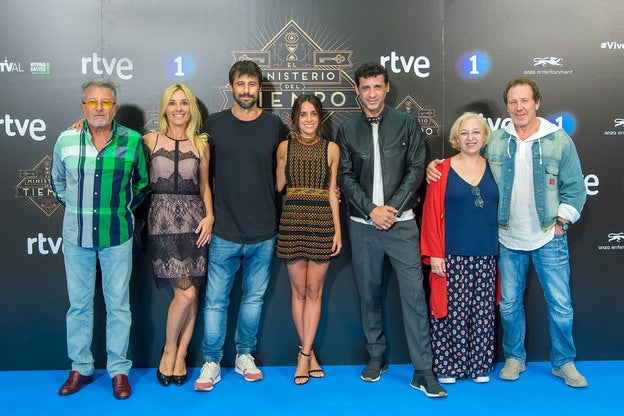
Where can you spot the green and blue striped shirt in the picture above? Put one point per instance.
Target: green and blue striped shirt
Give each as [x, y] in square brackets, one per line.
[99, 190]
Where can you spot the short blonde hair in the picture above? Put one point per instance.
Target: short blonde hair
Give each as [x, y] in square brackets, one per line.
[454, 134]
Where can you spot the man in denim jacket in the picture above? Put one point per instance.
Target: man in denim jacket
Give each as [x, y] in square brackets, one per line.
[542, 192]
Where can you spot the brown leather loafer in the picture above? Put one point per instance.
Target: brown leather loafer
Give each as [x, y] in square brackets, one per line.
[74, 382]
[121, 387]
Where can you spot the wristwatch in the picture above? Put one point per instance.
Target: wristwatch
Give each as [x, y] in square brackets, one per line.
[564, 225]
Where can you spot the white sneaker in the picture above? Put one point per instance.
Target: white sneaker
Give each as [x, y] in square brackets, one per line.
[446, 380]
[483, 378]
[512, 369]
[246, 366]
[209, 376]
[571, 375]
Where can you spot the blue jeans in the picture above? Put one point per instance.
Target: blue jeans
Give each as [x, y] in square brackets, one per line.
[80, 268]
[552, 266]
[224, 260]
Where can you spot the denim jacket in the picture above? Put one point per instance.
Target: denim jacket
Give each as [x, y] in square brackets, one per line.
[557, 178]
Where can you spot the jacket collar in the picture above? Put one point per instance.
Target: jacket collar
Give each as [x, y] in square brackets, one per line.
[382, 115]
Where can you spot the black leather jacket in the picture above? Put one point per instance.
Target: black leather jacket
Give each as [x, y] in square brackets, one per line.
[402, 161]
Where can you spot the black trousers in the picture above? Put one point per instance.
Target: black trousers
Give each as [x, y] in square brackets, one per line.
[400, 243]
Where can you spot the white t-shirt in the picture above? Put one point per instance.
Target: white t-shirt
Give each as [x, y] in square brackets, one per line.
[378, 191]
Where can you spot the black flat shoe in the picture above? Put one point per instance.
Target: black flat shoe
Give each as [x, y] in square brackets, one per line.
[163, 379]
[179, 380]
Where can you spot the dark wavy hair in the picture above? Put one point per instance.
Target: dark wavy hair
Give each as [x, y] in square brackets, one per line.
[245, 68]
[370, 69]
[296, 110]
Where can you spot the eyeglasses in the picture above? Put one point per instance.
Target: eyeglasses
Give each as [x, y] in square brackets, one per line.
[476, 192]
[93, 103]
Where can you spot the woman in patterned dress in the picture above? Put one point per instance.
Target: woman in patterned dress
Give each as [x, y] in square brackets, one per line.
[459, 238]
[180, 219]
[309, 231]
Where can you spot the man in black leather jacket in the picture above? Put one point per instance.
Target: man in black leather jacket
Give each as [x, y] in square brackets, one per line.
[381, 166]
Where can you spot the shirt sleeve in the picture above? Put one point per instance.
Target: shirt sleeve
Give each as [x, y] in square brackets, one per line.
[57, 173]
[140, 176]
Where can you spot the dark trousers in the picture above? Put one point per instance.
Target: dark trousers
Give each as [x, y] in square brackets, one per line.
[369, 247]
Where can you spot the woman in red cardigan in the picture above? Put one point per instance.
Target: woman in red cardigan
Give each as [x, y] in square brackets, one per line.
[459, 239]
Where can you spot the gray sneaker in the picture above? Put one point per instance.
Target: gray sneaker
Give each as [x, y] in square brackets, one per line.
[571, 375]
[375, 368]
[426, 382]
[512, 369]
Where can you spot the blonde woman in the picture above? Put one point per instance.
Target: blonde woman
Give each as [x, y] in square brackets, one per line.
[180, 219]
[459, 238]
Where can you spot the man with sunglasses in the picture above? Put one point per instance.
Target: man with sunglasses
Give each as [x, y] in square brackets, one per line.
[541, 192]
[99, 174]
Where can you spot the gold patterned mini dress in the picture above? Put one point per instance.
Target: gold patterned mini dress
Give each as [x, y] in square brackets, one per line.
[306, 229]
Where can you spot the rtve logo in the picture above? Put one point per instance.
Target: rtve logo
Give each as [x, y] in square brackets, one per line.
[99, 66]
[44, 245]
[15, 127]
[398, 64]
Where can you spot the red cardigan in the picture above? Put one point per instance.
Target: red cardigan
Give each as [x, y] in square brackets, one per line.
[432, 243]
[432, 238]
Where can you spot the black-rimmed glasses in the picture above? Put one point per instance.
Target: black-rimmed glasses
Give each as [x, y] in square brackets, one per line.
[476, 192]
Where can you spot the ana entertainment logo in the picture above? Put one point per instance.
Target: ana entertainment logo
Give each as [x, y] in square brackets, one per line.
[548, 65]
[34, 187]
[615, 241]
[618, 128]
[548, 61]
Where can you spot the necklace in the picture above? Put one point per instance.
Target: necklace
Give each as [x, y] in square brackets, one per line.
[177, 140]
[308, 141]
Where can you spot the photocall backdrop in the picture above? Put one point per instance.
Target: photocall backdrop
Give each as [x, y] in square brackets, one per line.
[443, 57]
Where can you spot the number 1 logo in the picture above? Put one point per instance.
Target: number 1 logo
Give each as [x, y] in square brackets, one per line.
[181, 66]
[474, 64]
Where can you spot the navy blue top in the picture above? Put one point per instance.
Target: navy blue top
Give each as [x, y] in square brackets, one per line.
[470, 230]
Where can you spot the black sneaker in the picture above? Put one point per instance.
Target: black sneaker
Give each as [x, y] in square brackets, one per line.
[425, 381]
[375, 368]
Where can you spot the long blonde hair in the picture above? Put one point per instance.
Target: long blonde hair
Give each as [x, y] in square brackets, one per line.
[199, 140]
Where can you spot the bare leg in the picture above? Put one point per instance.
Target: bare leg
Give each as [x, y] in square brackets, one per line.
[312, 312]
[307, 279]
[186, 332]
[297, 273]
[183, 302]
